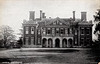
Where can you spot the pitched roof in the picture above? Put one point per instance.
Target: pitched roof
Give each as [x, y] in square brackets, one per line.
[48, 21]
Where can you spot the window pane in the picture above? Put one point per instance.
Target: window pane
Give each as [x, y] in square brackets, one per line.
[68, 31]
[27, 30]
[38, 31]
[82, 30]
[62, 31]
[39, 41]
[32, 40]
[49, 31]
[26, 40]
[32, 30]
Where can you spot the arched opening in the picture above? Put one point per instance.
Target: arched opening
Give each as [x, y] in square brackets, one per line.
[64, 43]
[57, 43]
[50, 43]
[44, 42]
[70, 42]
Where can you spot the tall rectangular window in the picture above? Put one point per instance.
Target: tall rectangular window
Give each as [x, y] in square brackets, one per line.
[39, 32]
[75, 32]
[70, 30]
[75, 41]
[87, 41]
[26, 40]
[87, 31]
[39, 41]
[32, 40]
[48, 30]
[82, 41]
[82, 31]
[62, 31]
[32, 30]
[57, 31]
[26, 30]
[44, 31]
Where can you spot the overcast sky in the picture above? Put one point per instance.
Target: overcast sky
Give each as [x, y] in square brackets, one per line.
[12, 12]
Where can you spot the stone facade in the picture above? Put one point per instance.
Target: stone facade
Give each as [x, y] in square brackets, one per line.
[57, 32]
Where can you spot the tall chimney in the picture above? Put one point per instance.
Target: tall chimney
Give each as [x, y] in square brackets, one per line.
[83, 16]
[73, 15]
[40, 14]
[43, 15]
[32, 15]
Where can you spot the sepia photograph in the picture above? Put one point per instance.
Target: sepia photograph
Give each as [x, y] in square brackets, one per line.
[49, 31]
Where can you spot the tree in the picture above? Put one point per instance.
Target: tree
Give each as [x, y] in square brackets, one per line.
[97, 16]
[97, 20]
[20, 42]
[8, 34]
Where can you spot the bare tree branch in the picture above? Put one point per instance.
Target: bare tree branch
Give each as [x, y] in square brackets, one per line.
[7, 33]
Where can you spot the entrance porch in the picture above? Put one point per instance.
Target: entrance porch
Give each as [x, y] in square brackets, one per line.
[57, 42]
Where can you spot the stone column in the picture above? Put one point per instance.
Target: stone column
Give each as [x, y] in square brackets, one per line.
[79, 36]
[60, 43]
[66, 31]
[47, 43]
[53, 31]
[67, 42]
[72, 42]
[53, 43]
[70, 30]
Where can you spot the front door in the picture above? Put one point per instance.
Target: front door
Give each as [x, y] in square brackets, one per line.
[57, 43]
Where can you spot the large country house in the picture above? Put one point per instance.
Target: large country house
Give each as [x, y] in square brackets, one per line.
[57, 32]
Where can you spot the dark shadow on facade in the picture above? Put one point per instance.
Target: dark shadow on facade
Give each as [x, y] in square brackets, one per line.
[57, 43]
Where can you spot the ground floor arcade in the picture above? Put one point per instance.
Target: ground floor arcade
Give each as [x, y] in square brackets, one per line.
[57, 42]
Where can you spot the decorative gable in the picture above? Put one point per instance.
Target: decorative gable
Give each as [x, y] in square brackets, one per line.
[57, 21]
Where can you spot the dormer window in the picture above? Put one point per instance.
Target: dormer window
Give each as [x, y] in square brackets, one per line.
[60, 23]
[54, 23]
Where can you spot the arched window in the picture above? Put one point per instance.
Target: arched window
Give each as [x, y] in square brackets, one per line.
[50, 43]
[44, 40]
[70, 41]
[57, 42]
[64, 43]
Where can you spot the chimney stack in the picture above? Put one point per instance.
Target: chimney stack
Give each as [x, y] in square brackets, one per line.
[73, 15]
[32, 15]
[41, 15]
[83, 16]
